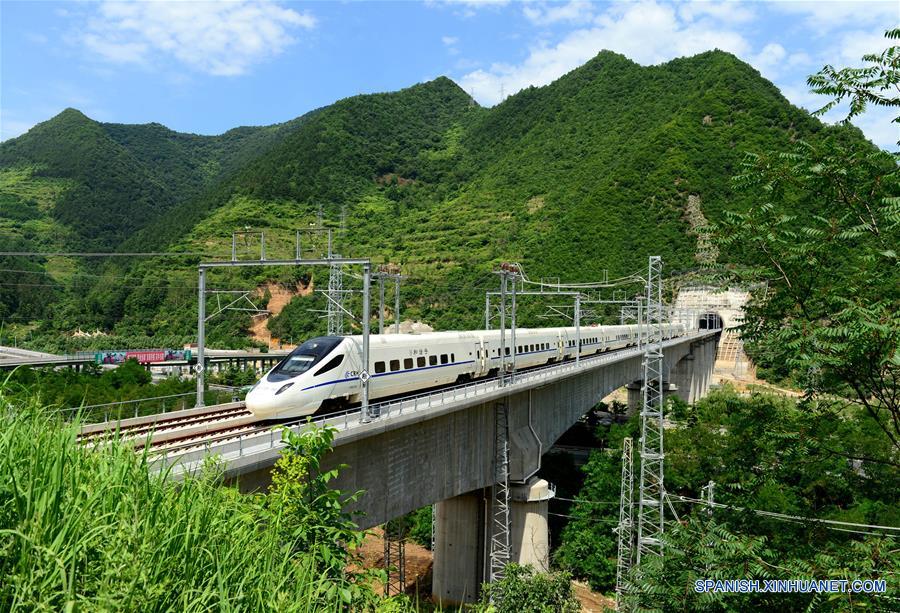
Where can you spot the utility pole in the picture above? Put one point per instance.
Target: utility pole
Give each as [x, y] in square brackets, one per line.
[397, 304]
[388, 271]
[652, 489]
[499, 531]
[626, 525]
[201, 336]
[577, 329]
[508, 272]
[395, 556]
[380, 302]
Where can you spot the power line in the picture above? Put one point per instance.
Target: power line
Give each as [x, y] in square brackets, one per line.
[62, 254]
[596, 520]
[585, 501]
[831, 524]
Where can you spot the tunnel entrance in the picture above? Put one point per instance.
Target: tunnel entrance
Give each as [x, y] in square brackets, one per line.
[709, 321]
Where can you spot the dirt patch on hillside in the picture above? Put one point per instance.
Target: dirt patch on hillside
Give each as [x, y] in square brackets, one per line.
[592, 602]
[280, 296]
[418, 562]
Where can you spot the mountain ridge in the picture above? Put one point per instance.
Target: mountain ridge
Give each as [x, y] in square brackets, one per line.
[589, 173]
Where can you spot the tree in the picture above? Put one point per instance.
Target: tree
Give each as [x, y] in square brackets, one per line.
[823, 233]
[862, 86]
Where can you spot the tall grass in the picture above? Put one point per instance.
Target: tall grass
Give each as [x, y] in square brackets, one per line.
[97, 530]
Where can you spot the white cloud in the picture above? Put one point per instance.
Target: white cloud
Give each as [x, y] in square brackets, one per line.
[852, 45]
[823, 17]
[467, 8]
[770, 55]
[727, 12]
[218, 38]
[648, 33]
[449, 41]
[575, 11]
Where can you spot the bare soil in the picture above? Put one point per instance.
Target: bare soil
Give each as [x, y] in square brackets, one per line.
[280, 296]
[592, 602]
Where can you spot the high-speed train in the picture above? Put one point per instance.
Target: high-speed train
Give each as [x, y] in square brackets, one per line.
[324, 372]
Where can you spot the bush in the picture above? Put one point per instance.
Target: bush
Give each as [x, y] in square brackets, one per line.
[523, 589]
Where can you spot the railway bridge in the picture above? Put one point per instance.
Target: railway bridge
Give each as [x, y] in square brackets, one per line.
[447, 448]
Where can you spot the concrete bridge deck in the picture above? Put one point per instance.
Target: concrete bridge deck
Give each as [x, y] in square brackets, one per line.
[438, 445]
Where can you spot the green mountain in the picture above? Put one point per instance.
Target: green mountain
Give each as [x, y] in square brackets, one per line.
[594, 171]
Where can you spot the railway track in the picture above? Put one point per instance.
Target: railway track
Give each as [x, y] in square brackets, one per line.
[196, 429]
[178, 426]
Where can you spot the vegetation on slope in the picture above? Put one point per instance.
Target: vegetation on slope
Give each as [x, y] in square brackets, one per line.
[591, 172]
[764, 453]
[101, 529]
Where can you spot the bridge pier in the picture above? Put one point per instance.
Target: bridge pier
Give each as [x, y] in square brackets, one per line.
[689, 379]
[462, 538]
[692, 375]
[636, 394]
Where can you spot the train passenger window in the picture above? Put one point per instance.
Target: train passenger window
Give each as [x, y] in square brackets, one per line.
[532, 347]
[420, 361]
[507, 351]
[432, 360]
[443, 358]
[379, 367]
[395, 365]
[407, 363]
[452, 357]
[331, 365]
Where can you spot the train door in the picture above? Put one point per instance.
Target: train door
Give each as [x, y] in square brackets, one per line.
[560, 347]
[482, 364]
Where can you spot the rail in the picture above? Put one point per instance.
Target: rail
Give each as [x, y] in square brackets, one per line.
[108, 407]
[353, 417]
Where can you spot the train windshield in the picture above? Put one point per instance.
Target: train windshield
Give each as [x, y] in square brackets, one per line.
[304, 357]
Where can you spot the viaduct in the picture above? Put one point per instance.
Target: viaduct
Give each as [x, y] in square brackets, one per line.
[446, 448]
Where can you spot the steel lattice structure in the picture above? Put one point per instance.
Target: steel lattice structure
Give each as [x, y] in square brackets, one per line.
[500, 540]
[625, 529]
[395, 556]
[335, 298]
[652, 489]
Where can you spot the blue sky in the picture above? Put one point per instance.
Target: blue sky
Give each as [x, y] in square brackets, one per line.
[206, 67]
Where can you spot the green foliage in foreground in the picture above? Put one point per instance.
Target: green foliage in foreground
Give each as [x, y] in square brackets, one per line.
[763, 452]
[700, 548]
[98, 529]
[523, 589]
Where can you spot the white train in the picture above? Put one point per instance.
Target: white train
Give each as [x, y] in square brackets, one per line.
[324, 372]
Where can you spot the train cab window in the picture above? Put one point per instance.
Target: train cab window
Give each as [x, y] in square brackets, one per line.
[420, 361]
[395, 365]
[432, 360]
[303, 358]
[443, 358]
[379, 367]
[331, 365]
[407, 363]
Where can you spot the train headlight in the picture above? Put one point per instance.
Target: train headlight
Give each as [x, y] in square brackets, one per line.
[284, 387]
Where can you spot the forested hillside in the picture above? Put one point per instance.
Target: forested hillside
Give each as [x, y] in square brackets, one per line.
[591, 172]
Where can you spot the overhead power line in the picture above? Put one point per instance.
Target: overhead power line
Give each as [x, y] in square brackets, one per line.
[63, 254]
[832, 524]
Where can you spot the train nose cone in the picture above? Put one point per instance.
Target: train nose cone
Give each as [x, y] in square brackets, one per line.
[261, 400]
